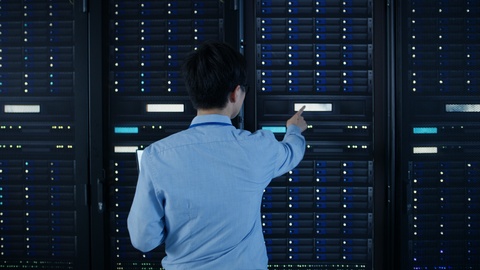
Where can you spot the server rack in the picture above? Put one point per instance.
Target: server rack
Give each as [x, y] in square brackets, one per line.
[147, 98]
[43, 123]
[438, 94]
[319, 54]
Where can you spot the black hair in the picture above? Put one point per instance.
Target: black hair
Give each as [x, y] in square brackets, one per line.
[212, 72]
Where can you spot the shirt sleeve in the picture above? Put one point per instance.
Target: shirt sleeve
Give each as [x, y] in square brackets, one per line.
[291, 150]
[146, 217]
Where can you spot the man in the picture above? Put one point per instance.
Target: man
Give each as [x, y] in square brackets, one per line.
[199, 191]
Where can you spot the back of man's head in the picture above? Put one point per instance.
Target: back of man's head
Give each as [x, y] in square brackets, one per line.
[212, 72]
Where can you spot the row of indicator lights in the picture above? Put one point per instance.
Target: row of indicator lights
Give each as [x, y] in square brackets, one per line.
[290, 29]
[170, 12]
[20, 127]
[469, 165]
[318, 21]
[441, 10]
[321, 74]
[317, 216]
[19, 146]
[317, 63]
[295, 225]
[290, 81]
[317, 11]
[317, 3]
[317, 37]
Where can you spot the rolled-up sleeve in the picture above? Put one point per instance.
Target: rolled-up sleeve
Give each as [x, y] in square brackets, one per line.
[146, 217]
[291, 150]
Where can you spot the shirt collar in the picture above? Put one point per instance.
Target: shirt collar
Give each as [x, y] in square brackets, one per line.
[216, 118]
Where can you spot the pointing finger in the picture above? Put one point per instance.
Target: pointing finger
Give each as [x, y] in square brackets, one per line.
[299, 113]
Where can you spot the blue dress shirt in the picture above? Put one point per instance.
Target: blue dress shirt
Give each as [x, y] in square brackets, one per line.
[199, 191]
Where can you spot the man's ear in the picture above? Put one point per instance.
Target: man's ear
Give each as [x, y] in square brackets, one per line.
[235, 94]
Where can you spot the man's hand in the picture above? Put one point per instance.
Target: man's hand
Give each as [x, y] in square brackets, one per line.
[297, 120]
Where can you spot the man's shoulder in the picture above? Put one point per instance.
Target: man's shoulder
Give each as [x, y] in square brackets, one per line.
[171, 141]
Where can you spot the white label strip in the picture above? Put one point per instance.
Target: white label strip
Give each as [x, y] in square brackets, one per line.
[313, 107]
[425, 150]
[21, 108]
[165, 108]
[462, 107]
[125, 149]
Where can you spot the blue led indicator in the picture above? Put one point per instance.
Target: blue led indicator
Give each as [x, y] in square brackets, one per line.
[275, 129]
[425, 130]
[126, 130]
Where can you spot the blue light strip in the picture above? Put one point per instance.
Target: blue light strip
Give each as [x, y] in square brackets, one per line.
[425, 130]
[126, 130]
[275, 129]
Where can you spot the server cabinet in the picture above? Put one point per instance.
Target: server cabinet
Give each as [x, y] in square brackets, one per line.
[43, 123]
[147, 99]
[319, 54]
[438, 94]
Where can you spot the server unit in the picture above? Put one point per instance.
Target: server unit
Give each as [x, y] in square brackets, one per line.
[43, 140]
[439, 122]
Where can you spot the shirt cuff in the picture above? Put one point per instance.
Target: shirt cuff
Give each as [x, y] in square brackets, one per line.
[293, 128]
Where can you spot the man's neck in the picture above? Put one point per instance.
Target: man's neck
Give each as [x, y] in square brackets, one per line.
[214, 111]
